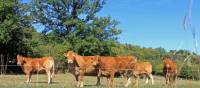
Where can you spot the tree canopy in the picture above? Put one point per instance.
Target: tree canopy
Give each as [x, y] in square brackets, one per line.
[12, 25]
[75, 21]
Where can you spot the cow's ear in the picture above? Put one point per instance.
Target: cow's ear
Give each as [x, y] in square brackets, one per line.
[98, 58]
[23, 58]
[74, 55]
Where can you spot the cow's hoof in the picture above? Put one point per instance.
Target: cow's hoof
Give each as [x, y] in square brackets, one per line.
[49, 82]
[98, 84]
[81, 85]
[125, 85]
[77, 86]
[26, 82]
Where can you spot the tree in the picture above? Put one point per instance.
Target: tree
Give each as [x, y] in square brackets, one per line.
[13, 21]
[75, 21]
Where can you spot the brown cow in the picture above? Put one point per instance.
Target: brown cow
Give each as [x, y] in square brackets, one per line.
[122, 62]
[109, 65]
[140, 68]
[82, 65]
[30, 65]
[169, 71]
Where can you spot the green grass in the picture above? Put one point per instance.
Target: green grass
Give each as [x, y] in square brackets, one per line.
[68, 81]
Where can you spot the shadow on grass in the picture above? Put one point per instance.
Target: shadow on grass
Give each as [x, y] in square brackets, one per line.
[94, 86]
[104, 86]
[43, 82]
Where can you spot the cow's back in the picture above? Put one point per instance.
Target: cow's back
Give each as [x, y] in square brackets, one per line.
[142, 67]
[123, 61]
[90, 68]
[42, 63]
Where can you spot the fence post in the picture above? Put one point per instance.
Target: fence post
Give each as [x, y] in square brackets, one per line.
[6, 64]
[2, 64]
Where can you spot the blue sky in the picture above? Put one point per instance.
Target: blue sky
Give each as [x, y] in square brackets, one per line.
[154, 23]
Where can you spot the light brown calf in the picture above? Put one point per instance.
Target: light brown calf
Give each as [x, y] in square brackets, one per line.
[140, 68]
[122, 62]
[30, 65]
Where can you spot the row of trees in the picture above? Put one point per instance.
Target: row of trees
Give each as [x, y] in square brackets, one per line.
[67, 24]
[72, 24]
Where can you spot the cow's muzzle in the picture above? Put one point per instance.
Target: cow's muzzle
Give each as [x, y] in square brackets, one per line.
[69, 61]
[19, 63]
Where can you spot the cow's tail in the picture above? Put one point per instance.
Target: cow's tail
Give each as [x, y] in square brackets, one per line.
[53, 69]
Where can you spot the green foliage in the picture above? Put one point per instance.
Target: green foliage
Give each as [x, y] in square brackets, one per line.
[190, 71]
[11, 27]
[49, 45]
[157, 67]
[75, 21]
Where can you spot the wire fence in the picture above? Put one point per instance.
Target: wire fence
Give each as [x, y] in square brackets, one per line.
[67, 67]
[189, 74]
[65, 79]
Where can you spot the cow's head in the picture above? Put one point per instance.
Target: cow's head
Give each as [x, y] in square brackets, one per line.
[70, 56]
[20, 60]
[166, 58]
[167, 61]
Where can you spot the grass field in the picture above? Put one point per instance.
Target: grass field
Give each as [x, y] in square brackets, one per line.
[68, 81]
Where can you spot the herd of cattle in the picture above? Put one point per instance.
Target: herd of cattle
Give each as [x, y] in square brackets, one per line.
[108, 66]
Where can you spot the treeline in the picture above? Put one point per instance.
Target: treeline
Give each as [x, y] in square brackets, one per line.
[73, 24]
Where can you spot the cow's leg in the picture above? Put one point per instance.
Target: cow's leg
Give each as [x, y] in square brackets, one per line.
[81, 78]
[76, 74]
[129, 77]
[136, 75]
[147, 81]
[137, 80]
[77, 79]
[98, 81]
[108, 80]
[98, 78]
[28, 77]
[151, 77]
[78, 84]
[49, 77]
[167, 78]
[174, 83]
[48, 72]
[112, 78]
[172, 80]
[52, 71]
[128, 82]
